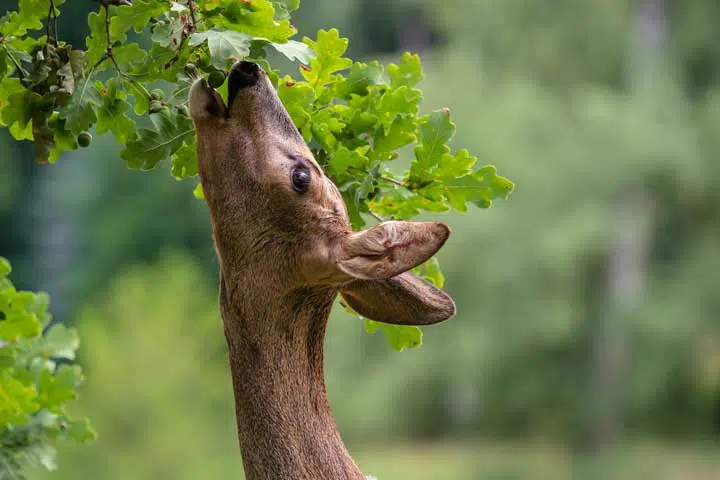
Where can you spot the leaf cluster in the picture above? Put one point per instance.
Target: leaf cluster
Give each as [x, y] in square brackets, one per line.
[37, 380]
[358, 118]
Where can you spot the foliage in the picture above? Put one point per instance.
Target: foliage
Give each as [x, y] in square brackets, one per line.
[37, 381]
[171, 413]
[356, 123]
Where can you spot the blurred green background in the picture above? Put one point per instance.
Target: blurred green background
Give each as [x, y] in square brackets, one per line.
[587, 339]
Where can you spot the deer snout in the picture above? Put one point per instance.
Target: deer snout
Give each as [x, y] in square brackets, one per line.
[242, 75]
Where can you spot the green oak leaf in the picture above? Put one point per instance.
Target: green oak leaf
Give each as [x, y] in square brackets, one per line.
[60, 342]
[344, 159]
[153, 68]
[96, 42]
[6, 66]
[7, 358]
[151, 146]
[479, 188]
[184, 160]
[363, 118]
[19, 48]
[255, 18]
[297, 97]
[79, 430]
[128, 55]
[325, 125]
[79, 113]
[113, 110]
[64, 138]
[359, 78]
[295, 50]
[138, 15]
[349, 195]
[284, 7]
[19, 323]
[402, 101]
[17, 108]
[19, 400]
[223, 44]
[29, 16]
[399, 337]
[329, 49]
[5, 267]
[401, 132]
[402, 204]
[198, 192]
[408, 73]
[168, 33]
[430, 271]
[142, 102]
[55, 390]
[454, 166]
[435, 132]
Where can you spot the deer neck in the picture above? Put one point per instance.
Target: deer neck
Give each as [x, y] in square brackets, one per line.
[285, 425]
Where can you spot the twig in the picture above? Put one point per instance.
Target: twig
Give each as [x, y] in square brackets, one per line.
[106, 5]
[52, 16]
[188, 28]
[193, 8]
[109, 49]
[175, 57]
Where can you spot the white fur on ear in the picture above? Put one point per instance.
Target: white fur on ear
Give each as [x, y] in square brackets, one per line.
[391, 248]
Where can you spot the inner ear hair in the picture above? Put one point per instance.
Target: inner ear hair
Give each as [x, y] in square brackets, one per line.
[391, 248]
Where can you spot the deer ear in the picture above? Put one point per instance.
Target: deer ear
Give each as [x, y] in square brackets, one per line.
[401, 300]
[391, 248]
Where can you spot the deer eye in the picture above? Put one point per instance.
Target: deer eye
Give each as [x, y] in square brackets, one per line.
[300, 178]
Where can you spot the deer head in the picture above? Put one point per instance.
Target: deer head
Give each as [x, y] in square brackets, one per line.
[286, 249]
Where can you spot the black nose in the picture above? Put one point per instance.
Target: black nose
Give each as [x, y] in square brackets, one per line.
[242, 75]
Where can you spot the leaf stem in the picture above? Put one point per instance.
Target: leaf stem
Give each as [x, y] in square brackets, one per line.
[376, 216]
[138, 85]
[22, 71]
[392, 180]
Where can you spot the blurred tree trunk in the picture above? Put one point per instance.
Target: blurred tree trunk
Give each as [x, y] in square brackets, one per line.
[626, 273]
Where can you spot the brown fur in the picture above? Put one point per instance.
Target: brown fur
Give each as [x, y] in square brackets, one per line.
[284, 256]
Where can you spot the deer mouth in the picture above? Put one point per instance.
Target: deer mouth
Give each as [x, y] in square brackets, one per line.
[252, 103]
[204, 99]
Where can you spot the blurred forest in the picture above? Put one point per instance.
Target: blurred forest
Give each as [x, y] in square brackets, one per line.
[588, 326]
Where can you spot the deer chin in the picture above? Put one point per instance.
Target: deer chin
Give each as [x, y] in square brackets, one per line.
[205, 101]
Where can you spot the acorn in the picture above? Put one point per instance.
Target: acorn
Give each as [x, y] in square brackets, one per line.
[216, 78]
[155, 106]
[183, 110]
[84, 139]
[157, 94]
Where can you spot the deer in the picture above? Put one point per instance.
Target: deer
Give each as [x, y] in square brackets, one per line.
[285, 251]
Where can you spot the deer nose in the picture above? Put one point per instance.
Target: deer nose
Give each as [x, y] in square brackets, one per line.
[242, 75]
